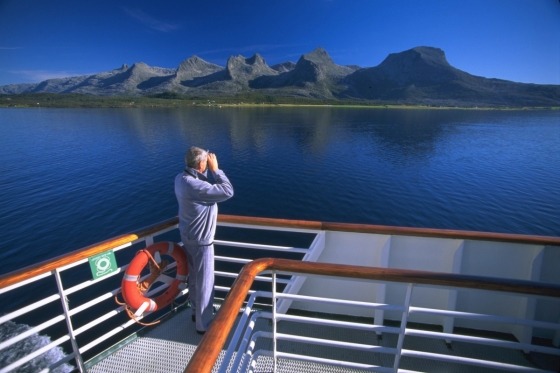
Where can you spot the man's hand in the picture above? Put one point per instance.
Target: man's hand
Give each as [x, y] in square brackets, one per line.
[212, 162]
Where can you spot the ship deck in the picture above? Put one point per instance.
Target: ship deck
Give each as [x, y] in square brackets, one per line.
[167, 348]
[343, 297]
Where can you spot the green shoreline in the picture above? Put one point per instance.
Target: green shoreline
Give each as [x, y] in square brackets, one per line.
[57, 100]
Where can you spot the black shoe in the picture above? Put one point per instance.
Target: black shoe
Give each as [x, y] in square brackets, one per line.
[201, 332]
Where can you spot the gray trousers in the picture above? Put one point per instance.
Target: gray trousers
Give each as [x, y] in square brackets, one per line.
[201, 283]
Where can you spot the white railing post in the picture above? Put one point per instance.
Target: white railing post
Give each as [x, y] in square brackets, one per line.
[149, 240]
[531, 303]
[404, 321]
[274, 346]
[380, 297]
[66, 310]
[449, 322]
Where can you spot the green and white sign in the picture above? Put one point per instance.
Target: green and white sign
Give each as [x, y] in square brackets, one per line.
[102, 264]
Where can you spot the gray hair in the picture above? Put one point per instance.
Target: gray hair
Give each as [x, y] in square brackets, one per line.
[195, 156]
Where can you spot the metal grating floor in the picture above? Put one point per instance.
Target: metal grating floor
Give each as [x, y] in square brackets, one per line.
[167, 348]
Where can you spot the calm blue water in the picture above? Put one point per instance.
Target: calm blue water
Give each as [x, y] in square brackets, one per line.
[71, 177]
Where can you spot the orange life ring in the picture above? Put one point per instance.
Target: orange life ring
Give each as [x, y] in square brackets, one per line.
[134, 296]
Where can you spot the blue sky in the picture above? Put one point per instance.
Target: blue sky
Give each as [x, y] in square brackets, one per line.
[516, 40]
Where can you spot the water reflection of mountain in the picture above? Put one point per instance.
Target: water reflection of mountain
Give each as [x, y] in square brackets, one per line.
[412, 133]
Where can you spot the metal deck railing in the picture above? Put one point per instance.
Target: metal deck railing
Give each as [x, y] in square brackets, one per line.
[60, 303]
[400, 349]
[46, 295]
[77, 315]
[385, 348]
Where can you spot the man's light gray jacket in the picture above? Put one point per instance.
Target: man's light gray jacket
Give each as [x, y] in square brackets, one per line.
[198, 209]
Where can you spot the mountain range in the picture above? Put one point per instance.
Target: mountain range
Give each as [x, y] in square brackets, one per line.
[420, 75]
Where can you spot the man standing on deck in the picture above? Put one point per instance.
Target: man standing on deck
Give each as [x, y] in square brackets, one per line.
[198, 211]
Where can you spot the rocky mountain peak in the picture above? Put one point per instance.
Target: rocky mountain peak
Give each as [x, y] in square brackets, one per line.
[420, 75]
[284, 66]
[420, 65]
[318, 56]
[195, 62]
[194, 67]
[244, 69]
[415, 56]
[318, 65]
[257, 59]
[139, 66]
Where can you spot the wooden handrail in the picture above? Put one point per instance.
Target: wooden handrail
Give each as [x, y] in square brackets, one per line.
[83, 253]
[210, 346]
[391, 230]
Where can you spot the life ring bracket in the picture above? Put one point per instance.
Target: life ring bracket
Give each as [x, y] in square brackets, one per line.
[134, 289]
